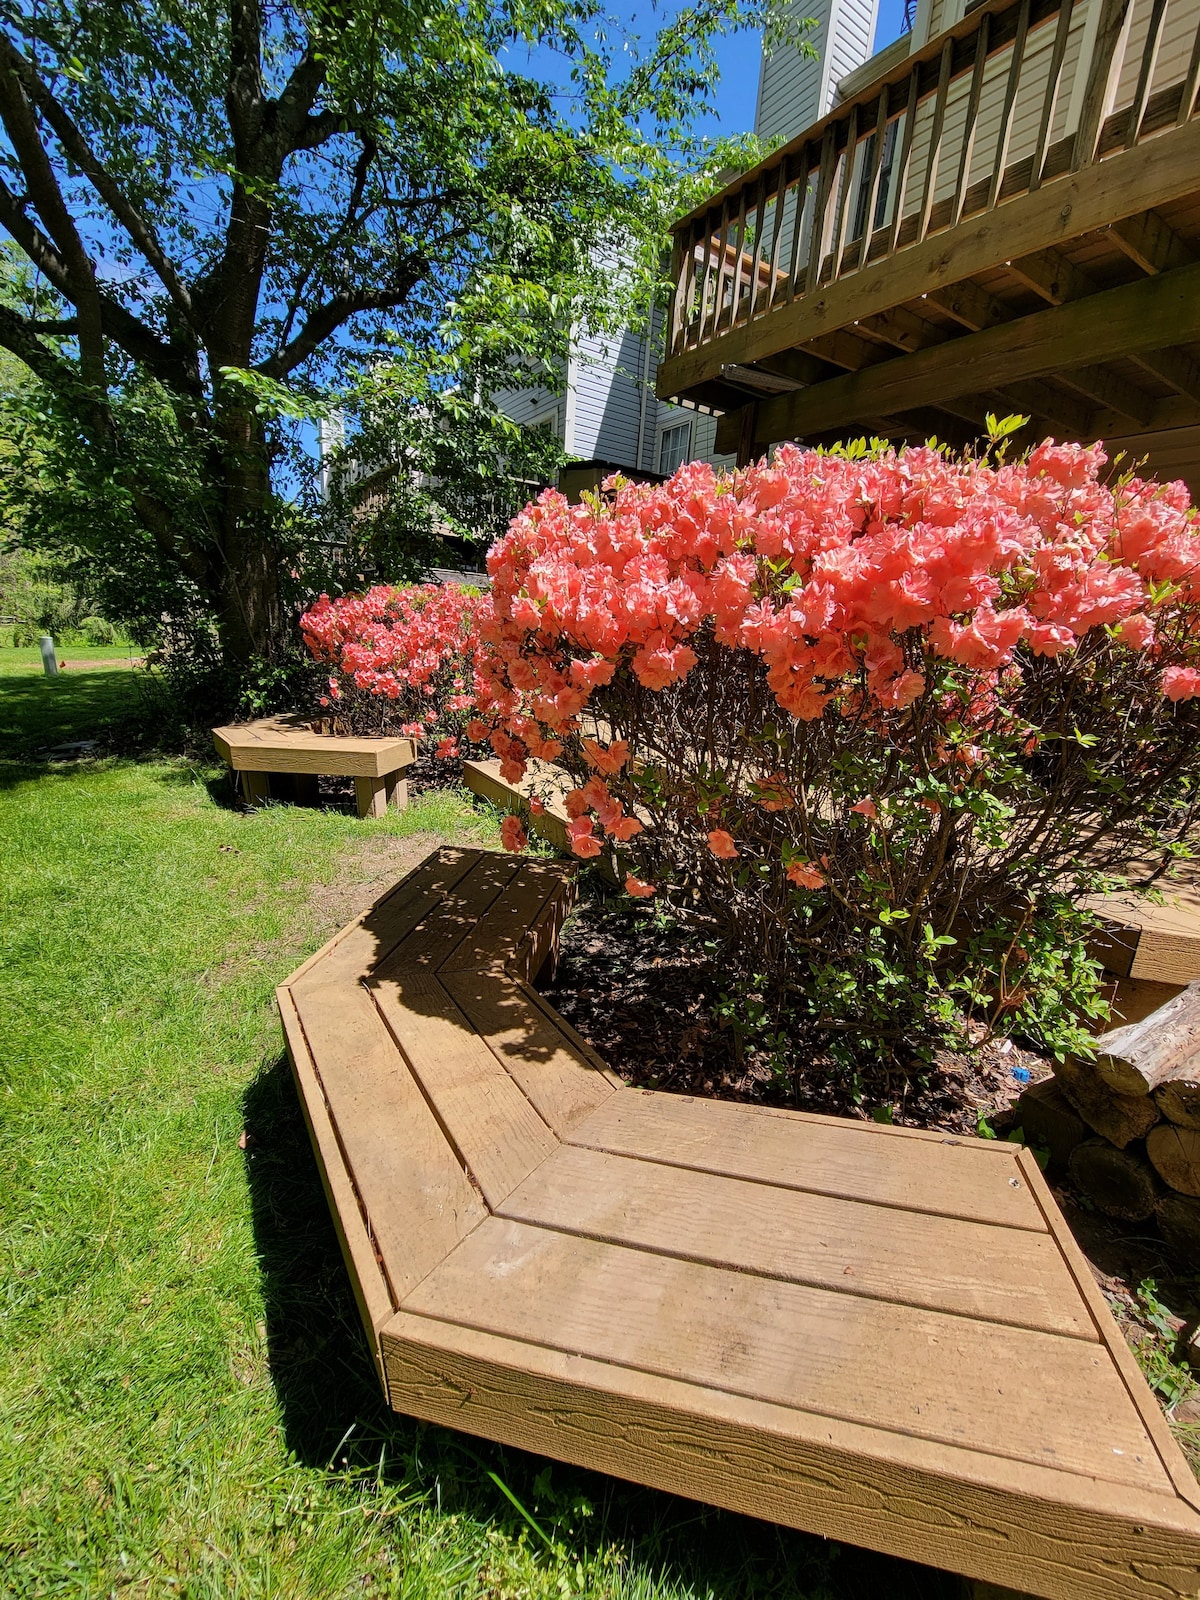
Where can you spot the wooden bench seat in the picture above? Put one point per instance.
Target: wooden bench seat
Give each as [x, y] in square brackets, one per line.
[884, 1336]
[282, 758]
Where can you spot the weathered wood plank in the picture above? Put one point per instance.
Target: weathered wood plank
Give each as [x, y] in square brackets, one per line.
[417, 1201]
[555, 1077]
[1050, 1533]
[494, 940]
[947, 1379]
[1121, 186]
[1002, 1275]
[272, 744]
[1146, 315]
[454, 917]
[493, 1127]
[372, 1292]
[351, 954]
[823, 1155]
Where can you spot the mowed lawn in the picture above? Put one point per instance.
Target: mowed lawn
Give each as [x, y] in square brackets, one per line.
[186, 1402]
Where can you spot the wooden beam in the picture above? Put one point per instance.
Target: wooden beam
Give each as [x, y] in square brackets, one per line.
[1150, 243]
[1050, 409]
[1051, 275]
[1175, 368]
[1148, 315]
[1123, 185]
[970, 306]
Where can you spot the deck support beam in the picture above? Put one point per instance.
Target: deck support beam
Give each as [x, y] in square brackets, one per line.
[1151, 314]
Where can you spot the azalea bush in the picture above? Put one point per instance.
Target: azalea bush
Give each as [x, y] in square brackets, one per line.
[399, 659]
[874, 720]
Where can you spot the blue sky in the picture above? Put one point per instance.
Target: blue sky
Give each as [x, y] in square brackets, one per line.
[739, 57]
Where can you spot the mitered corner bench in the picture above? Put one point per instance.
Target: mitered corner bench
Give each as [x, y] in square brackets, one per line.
[284, 756]
[882, 1336]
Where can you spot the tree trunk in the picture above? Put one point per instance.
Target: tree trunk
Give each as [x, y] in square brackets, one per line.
[1119, 1182]
[249, 608]
[1119, 1118]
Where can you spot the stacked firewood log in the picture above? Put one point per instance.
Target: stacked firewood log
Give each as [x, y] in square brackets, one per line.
[1126, 1124]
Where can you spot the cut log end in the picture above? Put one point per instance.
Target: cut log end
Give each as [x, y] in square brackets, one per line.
[1179, 1224]
[1118, 1182]
[1175, 1155]
[1116, 1117]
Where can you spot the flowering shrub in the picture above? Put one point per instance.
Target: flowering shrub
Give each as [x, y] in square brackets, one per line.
[400, 658]
[876, 719]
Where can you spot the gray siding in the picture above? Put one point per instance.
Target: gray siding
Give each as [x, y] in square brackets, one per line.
[796, 89]
[607, 388]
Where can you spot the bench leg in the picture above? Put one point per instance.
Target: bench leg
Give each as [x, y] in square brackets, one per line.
[397, 791]
[370, 795]
[256, 787]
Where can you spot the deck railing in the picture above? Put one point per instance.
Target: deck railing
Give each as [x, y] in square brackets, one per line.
[1014, 96]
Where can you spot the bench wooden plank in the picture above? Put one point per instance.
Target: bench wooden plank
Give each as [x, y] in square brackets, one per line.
[943, 1176]
[557, 1079]
[493, 1127]
[278, 744]
[496, 937]
[417, 1200]
[372, 1291]
[1003, 1275]
[1040, 1530]
[900, 1369]
[351, 954]
[453, 919]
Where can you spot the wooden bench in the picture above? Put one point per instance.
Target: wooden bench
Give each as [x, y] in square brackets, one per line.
[882, 1336]
[283, 757]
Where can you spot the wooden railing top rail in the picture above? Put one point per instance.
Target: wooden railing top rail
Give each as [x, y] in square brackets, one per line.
[908, 156]
[926, 61]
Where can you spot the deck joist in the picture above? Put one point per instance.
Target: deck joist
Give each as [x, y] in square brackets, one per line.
[884, 1336]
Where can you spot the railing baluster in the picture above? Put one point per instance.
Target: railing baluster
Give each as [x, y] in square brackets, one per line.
[816, 243]
[781, 187]
[935, 139]
[1102, 72]
[803, 185]
[683, 276]
[902, 166]
[881, 131]
[846, 197]
[1191, 84]
[968, 137]
[1050, 103]
[696, 321]
[739, 254]
[756, 259]
[1010, 94]
[722, 263]
[1141, 94]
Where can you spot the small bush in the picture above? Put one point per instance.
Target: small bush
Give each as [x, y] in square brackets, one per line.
[400, 658]
[876, 720]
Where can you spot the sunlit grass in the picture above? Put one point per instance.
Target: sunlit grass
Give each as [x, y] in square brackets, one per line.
[186, 1402]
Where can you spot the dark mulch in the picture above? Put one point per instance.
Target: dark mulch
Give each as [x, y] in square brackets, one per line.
[643, 991]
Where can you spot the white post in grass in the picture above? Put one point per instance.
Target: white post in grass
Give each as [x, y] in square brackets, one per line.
[49, 659]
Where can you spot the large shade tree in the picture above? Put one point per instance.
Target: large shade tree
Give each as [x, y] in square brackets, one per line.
[227, 203]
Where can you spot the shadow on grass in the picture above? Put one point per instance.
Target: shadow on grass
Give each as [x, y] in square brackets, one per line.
[332, 1409]
[112, 707]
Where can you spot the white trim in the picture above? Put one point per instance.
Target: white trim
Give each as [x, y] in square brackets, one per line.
[568, 433]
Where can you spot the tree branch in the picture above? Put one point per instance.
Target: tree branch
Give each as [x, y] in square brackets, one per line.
[105, 185]
[338, 309]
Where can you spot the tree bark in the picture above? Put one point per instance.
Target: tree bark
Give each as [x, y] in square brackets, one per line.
[1135, 1059]
[1118, 1118]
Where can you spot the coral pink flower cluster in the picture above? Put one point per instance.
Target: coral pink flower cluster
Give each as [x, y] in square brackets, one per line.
[412, 644]
[856, 582]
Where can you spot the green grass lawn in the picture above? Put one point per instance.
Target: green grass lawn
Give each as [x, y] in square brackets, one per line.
[186, 1402]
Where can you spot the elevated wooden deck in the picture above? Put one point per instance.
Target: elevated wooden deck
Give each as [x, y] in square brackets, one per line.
[1006, 220]
[886, 1337]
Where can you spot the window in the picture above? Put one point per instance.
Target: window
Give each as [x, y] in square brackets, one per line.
[674, 447]
[547, 424]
